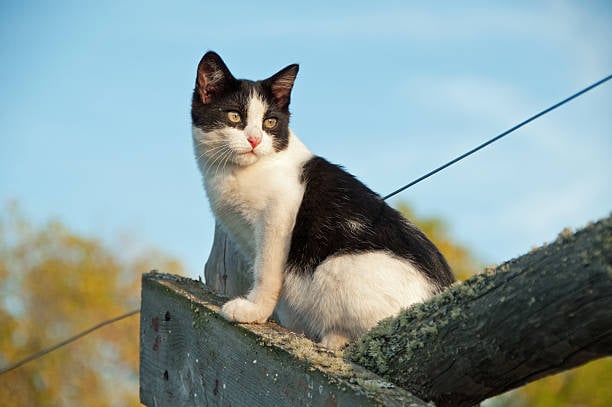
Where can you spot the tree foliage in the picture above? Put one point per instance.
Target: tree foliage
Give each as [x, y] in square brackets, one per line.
[53, 284]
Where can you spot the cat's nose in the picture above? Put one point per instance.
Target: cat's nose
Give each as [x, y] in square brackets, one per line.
[253, 135]
[254, 141]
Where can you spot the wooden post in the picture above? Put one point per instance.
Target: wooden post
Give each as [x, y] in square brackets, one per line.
[226, 272]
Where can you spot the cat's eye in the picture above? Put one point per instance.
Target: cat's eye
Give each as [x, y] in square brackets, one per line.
[270, 123]
[234, 117]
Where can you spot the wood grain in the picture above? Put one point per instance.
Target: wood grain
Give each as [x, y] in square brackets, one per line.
[226, 272]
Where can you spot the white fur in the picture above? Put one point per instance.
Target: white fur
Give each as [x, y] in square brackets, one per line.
[255, 194]
[348, 294]
[255, 115]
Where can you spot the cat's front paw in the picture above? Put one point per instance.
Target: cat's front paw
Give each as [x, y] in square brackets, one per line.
[245, 311]
[334, 341]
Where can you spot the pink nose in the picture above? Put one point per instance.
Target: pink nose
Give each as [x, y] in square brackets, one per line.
[254, 141]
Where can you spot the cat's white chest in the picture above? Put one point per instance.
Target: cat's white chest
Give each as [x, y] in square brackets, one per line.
[236, 208]
[246, 199]
[246, 190]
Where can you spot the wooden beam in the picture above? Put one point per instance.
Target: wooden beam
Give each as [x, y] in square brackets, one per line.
[189, 355]
[226, 272]
[547, 311]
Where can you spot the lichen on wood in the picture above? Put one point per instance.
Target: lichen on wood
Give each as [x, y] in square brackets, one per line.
[544, 312]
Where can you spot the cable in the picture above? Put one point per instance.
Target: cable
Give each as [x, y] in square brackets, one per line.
[416, 181]
[494, 139]
[66, 342]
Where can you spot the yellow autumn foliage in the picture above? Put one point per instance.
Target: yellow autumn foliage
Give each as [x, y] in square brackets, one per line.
[53, 284]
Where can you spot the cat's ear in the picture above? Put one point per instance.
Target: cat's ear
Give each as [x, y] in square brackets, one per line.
[281, 84]
[213, 77]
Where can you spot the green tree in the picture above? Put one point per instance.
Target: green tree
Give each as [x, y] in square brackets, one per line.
[53, 284]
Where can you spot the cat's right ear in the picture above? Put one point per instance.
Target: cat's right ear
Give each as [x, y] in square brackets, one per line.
[281, 84]
[213, 77]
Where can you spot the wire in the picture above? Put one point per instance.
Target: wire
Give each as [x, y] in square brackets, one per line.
[43, 352]
[65, 342]
[494, 139]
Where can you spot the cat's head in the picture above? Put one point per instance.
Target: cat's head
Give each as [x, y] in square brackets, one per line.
[235, 121]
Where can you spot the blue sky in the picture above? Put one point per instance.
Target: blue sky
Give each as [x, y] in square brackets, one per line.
[95, 128]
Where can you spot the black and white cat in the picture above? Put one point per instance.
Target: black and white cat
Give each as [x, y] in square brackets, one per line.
[328, 254]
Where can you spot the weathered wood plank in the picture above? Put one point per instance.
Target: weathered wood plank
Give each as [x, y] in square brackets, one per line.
[192, 356]
[226, 272]
[545, 312]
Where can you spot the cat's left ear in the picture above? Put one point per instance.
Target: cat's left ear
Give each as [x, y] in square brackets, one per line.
[281, 84]
[214, 78]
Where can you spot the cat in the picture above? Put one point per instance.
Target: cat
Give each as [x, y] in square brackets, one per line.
[328, 255]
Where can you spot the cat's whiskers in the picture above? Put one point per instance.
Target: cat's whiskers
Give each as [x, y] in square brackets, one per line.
[223, 162]
[208, 157]
[207, 142]
[216, 158]
[227, 160]
[212, 145]
[213, 152]
[209, 145]
[219, 158]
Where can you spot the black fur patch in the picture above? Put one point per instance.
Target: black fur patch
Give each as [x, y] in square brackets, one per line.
[333, 198]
